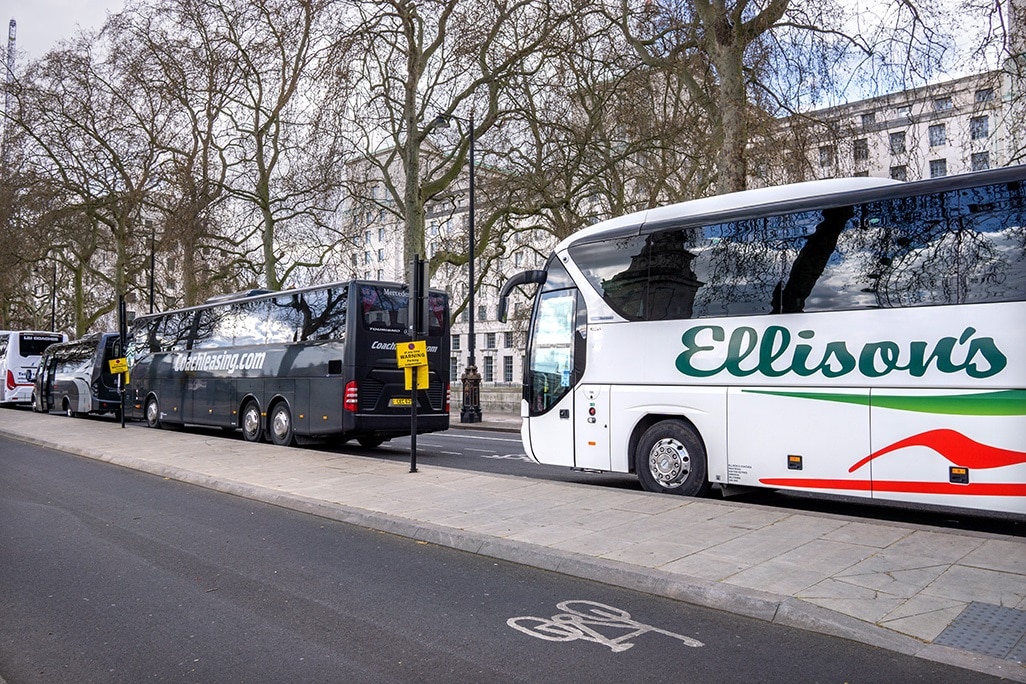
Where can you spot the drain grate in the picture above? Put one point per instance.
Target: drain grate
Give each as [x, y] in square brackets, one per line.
[988, 629]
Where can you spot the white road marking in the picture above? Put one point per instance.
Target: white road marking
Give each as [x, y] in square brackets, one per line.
[583, 623]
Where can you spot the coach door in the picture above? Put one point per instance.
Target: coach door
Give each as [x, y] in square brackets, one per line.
[47, 400]
[556, 356]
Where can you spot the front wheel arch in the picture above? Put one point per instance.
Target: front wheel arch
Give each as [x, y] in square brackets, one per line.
[669, 456]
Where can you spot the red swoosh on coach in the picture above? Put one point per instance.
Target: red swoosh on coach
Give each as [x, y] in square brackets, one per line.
[955, 447]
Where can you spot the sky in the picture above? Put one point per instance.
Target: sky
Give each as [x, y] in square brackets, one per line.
[42, 23]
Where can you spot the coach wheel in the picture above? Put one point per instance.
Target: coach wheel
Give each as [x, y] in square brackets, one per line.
[670, 459]
[68, 411]
[370, 442]
[282, 432]
[152, 413]
[252, 426]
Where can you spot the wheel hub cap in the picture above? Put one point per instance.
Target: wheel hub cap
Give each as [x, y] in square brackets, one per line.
[281, 424]
[251, 421]
[669, 463]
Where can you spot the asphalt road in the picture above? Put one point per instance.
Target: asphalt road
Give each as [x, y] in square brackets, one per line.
[110, 575]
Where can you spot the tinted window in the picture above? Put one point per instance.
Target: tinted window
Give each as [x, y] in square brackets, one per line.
[34, 344]
[945, 248]
[384, 308]
[172, 332]
[325, 314]
[76, 359]
[556, 275]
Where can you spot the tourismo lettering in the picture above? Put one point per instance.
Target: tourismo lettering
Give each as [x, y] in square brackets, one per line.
[775, 353]
[212, 361]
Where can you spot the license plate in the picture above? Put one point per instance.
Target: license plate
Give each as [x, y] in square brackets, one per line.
[401, 401]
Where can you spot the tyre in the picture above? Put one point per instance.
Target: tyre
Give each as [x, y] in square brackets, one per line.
[252, 424]
[370, 442]
[670, 459]
[68, 411]
[152, 413]
[280, 425]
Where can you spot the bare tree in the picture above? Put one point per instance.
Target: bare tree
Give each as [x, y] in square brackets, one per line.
[419, 61]
[745, 61]
[89, 142]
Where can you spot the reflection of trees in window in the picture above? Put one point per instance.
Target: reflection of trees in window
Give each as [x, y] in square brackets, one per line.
[322, 314]
[808, 266]
[960, 248]
[172, 333]
[744, 262]
[328, 322]
[286, 317]
[943, 248]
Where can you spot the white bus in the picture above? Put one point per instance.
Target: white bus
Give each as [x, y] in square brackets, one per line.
[19, 355]
[858, 337]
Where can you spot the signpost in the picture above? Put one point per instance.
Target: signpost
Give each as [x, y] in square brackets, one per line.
[412, 356]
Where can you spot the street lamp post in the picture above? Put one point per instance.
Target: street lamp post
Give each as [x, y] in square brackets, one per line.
[470, 412]
[153, 257]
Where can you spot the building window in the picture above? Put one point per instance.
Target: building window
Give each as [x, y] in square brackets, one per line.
[381, 255]
[899, 173]
[381, 274]
[861, 150]
[938, 168]
[489, 369]
[367, 237]
[455, 342]
[942, 104]
[454, 372]
[979, 127]
[869, 118]
[489, 340]
[482, 312]
[980, 161]
[897, 142]
[507, 369]
[938, 135]
[508, 340]
[367, 259]
[826, 155]
[381, 232]
[984, 94]
[904, 111]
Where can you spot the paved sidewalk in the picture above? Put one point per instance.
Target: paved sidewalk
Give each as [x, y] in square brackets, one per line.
[949, 596]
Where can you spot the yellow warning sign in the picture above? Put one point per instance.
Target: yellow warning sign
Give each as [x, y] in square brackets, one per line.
[410, 354]
[422, 377]
[119, 365]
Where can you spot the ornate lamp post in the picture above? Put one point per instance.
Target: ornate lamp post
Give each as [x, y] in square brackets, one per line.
[471, 379]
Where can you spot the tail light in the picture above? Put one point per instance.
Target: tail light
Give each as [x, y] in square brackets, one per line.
[11, 384]
[349, 399]
[448, 396]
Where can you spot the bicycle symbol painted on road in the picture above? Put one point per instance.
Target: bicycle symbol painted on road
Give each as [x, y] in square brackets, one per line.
[583, 620]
